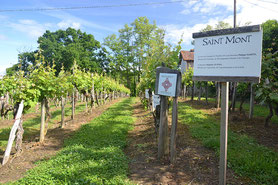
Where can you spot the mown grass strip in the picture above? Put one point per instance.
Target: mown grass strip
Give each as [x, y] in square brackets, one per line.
[94, 155]
[245, 156]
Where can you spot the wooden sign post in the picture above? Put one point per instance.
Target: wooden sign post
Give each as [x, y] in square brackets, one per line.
[228, 55]
[168, 83]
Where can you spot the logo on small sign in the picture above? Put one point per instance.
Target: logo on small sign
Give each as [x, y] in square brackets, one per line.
[166, 84]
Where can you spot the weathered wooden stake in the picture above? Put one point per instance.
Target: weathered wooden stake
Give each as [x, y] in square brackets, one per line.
[173, 152]
[223, 132]
[93, 95]
[62, 112]
[251, 109]
[192, 91]
[218, 95]
[42, 120]
[72, 105]
[86, 103]
[12, 134]
[163, 141]
[19, 138]
[234, 96]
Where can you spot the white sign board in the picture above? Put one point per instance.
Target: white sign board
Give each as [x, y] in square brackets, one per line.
[147, 93]
[233, 55]
[167, 84]
[156, 101]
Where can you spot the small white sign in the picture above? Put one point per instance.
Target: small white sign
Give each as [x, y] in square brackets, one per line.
[156, 101]
[234, 55]
[167, 84]
[147, 93]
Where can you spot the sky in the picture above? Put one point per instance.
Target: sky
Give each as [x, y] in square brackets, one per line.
[19, 30]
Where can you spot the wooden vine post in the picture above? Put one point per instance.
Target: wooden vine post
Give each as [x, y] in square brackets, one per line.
[12, 133]
[93, 98]
[62, 112]
[173, 153]
[42, 130]
[168, 83]
[228, 55]
[73, 104]
[251, 106]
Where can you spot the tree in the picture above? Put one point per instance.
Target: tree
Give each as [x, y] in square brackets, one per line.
[270, 36]
[25, 61]
[122, 58]
[137, 51]
[63, 47]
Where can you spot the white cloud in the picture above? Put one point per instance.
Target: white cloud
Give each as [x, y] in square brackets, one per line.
[3, 37]
[30, 27]
[247, 10]
[174, 32]
[197, 7]
[68, 23]
[255, 12]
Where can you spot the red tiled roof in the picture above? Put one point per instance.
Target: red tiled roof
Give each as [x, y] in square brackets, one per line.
[187, 55]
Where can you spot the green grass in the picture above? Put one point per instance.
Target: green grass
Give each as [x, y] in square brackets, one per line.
[32, 126]
[259, 110]
[245, 156]
[94, 155]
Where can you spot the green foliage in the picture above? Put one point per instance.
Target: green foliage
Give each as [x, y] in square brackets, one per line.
[19, 88]
[12, 70]
[220, 25]
[83, 81]
[94, 155]
[137, 52]
[187, 77]
[245, 156]
[44, 80]
[267, 89]
[63, 47]
[270, 36]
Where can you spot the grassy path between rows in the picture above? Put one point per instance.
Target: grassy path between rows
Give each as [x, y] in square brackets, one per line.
[94, 155]
[245, 156]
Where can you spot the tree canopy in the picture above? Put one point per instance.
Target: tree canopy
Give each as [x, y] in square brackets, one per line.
[64, 47]
[136, 52]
